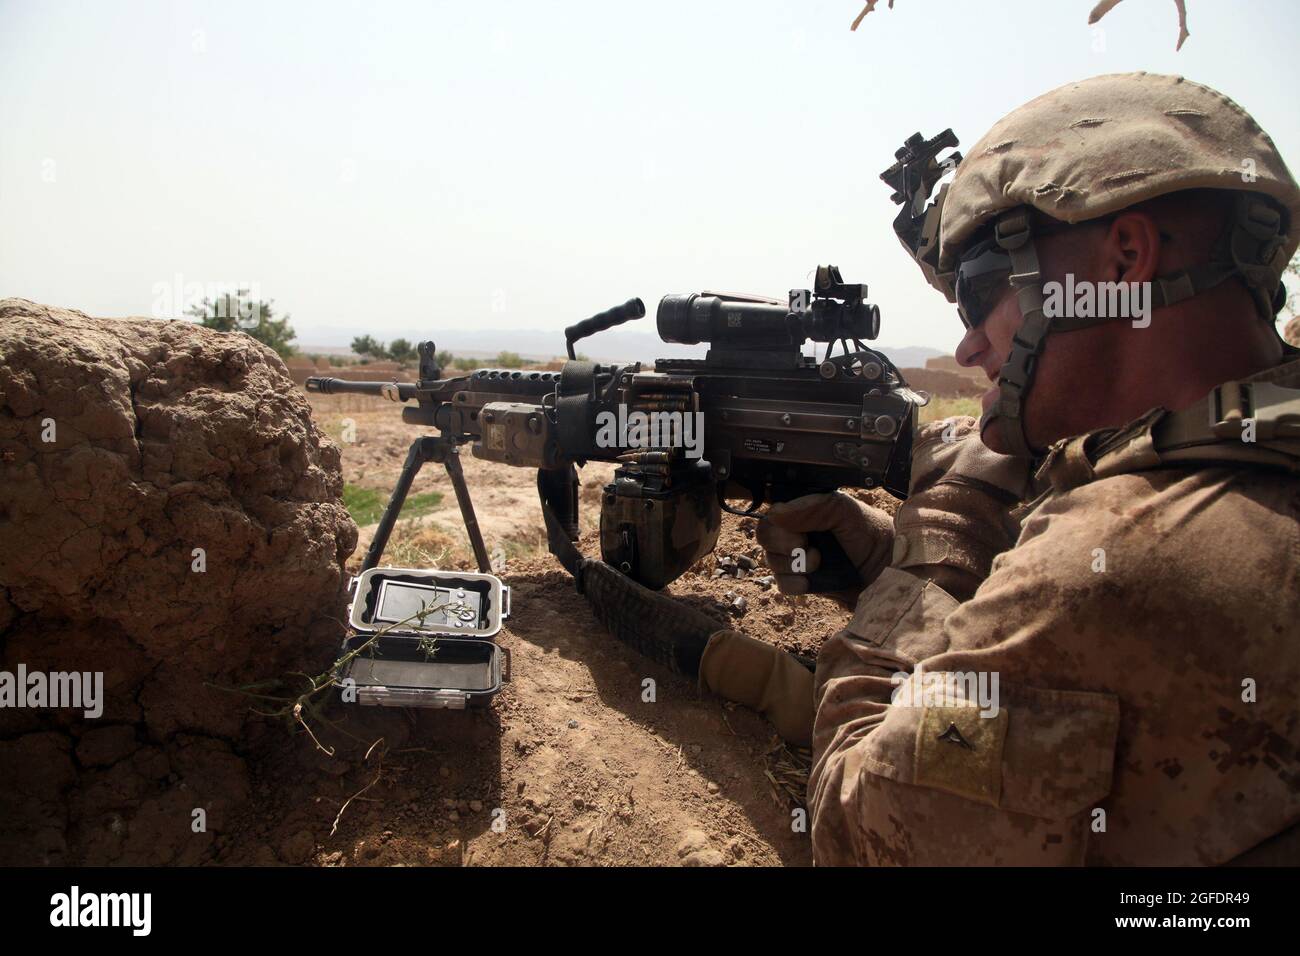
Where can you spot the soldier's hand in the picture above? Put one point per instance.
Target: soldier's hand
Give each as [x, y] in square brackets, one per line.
[866, 534]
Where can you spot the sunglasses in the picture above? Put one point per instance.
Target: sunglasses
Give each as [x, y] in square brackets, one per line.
[983, 277]
[984, 270]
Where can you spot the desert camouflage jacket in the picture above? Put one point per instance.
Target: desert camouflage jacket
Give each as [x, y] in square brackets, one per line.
[1121, 688]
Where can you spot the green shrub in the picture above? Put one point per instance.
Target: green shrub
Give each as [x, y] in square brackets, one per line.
[366, 505]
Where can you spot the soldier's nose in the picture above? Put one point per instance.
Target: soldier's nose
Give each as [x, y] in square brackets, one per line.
[972, 348]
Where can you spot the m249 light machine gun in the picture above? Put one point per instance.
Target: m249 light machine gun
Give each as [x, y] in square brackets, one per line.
[754, 418]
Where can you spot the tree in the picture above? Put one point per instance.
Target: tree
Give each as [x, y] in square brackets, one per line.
[509, 360]
[400, 350]
[366, 345]
[444, 359]
[239, 312]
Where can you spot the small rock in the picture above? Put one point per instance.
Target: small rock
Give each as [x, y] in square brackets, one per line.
[573, 724]
[476, 806]
[692, 841]
[444, 772]
[454, 817]
[713, 787]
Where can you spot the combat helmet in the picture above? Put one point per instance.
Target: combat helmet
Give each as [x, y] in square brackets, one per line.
[1082, 152]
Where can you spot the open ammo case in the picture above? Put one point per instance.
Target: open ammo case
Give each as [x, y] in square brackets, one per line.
[440, 653]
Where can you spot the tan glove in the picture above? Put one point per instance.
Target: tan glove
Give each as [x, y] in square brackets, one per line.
[764, 677]
[957, 516]
[866, 534]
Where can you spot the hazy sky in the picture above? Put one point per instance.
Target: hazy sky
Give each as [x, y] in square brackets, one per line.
[403, 167]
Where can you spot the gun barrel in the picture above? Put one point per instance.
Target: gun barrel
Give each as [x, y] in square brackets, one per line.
[393, 391]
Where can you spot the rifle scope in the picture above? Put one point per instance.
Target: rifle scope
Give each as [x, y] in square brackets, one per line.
[695, 317]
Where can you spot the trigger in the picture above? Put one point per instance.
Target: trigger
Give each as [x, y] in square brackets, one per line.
[756, 494]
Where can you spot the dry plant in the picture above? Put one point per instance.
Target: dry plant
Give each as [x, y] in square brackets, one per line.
[787, 769]
[309, 702]
[1100, 10]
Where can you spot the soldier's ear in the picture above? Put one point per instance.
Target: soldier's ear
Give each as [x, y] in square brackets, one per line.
[1131, 250]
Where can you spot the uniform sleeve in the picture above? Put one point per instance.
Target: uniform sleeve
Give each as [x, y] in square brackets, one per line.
[989, 731]
[927, 756]
[962, 767]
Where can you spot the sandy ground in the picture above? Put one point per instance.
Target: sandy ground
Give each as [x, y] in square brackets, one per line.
[570, 764]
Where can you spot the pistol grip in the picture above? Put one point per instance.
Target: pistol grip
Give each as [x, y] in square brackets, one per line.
[836, 572]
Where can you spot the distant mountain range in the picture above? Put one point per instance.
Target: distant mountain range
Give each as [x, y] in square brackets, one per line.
[618, 344]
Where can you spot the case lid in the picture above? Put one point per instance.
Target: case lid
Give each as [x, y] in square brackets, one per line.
[417, 602]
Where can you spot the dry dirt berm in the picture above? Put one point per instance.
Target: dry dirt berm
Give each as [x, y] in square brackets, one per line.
[125, 445]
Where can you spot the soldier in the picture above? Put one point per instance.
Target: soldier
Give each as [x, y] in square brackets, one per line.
[1080, 640]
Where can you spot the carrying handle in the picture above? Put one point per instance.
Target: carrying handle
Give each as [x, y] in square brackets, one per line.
[631, 309]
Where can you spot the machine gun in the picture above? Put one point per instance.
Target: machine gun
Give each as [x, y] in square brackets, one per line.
[755, 417]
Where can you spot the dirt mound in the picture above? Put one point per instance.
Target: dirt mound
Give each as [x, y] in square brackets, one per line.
[172, 521]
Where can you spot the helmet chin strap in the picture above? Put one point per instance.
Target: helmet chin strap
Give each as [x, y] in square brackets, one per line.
[1247, 248]
[1014, 234]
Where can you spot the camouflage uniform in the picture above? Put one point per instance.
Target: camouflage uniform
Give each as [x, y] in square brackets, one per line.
[1120, 689]
[1141, 610]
